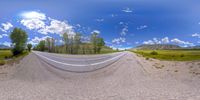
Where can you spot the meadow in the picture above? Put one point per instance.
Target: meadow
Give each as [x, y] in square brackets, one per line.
[7, 54]
[171, 55]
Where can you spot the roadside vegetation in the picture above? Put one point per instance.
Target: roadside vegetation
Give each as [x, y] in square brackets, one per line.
[171, 55]
[19, 40]
[75, 45]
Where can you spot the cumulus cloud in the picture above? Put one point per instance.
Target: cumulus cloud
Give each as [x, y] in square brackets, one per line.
[165, 40]
[148, 42]
[33, 20]
[180, 42]
[142, 27]
[153, 41]
[36, 39]
[124, 30]
[3, 35]
[6, 26]
[196, 35]
[119, 40]
[96, 31]
[6, 43]
[57, 27]
[38, 21]
[127, 10]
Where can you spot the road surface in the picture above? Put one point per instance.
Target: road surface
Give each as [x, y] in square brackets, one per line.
[125, 79]
[79, 63]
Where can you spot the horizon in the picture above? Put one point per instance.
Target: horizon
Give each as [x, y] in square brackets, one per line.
[123, 24]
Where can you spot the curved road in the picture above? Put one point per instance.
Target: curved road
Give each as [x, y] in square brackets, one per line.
[125, 79]
[79, 63]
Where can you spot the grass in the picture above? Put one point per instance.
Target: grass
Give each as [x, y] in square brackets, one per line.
[171, 55]
[7, 54]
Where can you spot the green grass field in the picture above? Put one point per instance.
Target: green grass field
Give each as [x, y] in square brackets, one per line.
[7, 54]
[171, 55]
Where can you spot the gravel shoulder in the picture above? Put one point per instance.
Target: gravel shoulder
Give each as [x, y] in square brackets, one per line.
[130, 78]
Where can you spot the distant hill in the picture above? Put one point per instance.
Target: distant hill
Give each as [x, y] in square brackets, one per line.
[4, 47]
[196, 47]
[158, 47]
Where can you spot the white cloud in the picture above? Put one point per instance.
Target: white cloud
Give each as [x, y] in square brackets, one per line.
[157, 41]
[3, 35]
[96, 31]
[99, 20]
[137, 42]
[196, 35]
[34, 15]
[113, 15]
[38, 21]
[33, 20]
[6, 43]
[6, 26]
[165, 40]
[57, 27]
[36, 39]
[127, 10]
[180, 42]
[124, 30]
[148, 42]
[119, 40]
[142, 27]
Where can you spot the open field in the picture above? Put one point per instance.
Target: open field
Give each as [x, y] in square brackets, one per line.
[171, 55]
[4, 54]
[7, 54]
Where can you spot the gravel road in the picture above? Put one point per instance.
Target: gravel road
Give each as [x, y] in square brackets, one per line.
[126, 79]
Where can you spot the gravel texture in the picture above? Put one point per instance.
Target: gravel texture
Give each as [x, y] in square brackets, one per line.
[130, 78]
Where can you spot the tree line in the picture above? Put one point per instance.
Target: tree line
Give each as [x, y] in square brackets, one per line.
[72, 44]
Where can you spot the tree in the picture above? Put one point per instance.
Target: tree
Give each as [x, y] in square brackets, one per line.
[29, 46]
[77, 42]
[19, 39]
[48, 43]
[93, 39]
[41, 46]
[100, 44]
[66, 41]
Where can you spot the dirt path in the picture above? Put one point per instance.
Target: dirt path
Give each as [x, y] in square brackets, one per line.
[128, 79]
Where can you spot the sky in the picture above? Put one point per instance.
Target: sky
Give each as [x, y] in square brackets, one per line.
[122, 23]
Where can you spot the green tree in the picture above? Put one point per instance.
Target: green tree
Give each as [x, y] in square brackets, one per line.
[29, 46]
[19, 39]
[77, 42]
[41, 46]
[66, 41]
[100, 44]
[94, 40]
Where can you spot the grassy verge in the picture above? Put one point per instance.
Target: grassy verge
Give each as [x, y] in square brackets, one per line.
[7, 57]
[171, 55]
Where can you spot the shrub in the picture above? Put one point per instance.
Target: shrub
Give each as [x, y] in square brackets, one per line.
[2, 62]
[154, 53]
[182, 55]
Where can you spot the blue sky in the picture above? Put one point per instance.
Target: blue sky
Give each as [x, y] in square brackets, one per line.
[123, 23]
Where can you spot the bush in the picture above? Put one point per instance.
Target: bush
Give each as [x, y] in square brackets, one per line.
[154, 53]
[182, 55]
[2, 62]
